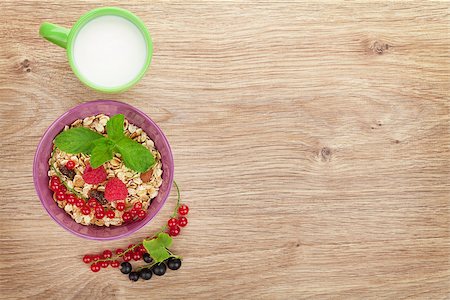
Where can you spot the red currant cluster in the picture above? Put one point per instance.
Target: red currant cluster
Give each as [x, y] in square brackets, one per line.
[175, 223]
[106, 258]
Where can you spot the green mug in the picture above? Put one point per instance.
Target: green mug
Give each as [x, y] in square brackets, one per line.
[109, 49]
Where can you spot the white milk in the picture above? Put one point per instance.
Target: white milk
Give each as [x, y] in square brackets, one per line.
[109, 51]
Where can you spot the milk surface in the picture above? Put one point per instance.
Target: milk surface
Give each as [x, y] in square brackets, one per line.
[109, 51]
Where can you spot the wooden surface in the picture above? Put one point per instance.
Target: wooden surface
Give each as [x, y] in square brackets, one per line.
[311, 141]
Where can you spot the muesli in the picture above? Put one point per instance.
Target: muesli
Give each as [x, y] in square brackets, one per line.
[104, 171]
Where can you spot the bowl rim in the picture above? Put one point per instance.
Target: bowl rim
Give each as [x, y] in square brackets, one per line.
[81, 106]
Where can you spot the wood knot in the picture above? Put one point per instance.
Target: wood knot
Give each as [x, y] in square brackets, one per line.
[325, 154]
[25, 64]
[378, 47]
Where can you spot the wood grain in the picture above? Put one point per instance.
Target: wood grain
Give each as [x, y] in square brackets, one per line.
[311, 141]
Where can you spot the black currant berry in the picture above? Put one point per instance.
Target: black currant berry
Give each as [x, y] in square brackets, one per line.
[134, 276]
[173, 263]
[159, 269]
[125, 267]
[147, 258]
[146, 274]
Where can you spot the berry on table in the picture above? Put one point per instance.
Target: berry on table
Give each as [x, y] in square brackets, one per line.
[142, 249]
[125, 267]
[107, 254]
[127, 256]
[119, 251]
[172, 222]
[173, 263]
[104, 264]
[146, 274]
[133, 276]
[115, 264]
[87, 259]
[70, 165]
[115, 189]
[159, 269]
[147, 258]
[136, 255]
[174, 231]
[183, 209]
[95, 257]
[182, 221]
[95, 267]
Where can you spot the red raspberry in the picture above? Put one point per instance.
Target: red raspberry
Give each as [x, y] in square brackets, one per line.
[94, 176]
[115, 189]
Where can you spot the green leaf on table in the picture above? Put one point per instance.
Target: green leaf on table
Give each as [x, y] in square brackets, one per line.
[157, 247]
[135, 156]
[77, 140]
[102, 152]
[114, 127]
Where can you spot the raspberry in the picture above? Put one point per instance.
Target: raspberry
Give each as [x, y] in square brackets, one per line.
[94, 176]
[115, 189]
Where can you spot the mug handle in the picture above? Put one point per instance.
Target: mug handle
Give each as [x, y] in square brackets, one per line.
[56, 34]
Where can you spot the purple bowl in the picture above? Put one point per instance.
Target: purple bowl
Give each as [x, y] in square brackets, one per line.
[43, 151]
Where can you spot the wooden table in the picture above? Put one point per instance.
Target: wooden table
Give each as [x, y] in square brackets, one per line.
[311, 142]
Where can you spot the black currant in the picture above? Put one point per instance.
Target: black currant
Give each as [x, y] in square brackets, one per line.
[125, 267]
[134, 276]
[159, 269]
[146, 274]
[173, 263]
[147, 258]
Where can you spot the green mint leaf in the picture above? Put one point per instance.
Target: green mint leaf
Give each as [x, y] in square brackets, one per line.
[77, 140]
[102, 152]
[157, 247]
[114, 127]
[134, 155]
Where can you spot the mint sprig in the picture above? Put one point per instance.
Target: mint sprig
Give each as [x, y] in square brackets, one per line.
[83, 140]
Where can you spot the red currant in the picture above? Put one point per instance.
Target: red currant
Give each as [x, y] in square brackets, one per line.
[55, 180]
[172, 222]
[182, 221]
[183, 209]
[138, 205]
[104, 263]
[99, 214]
[85, 210]
[136, 256]
[174, 231]
[115, 264]
[130, 246]
[60, 196]
[141, 214]
[119, 251]
[62, 188]
[110, 214]
[87, 259]
[99, 208]
[95, 267]
[107, 254]
[120, 206]
[70, 165]
[133, 212]
[92, 203]
[142, 249]
[126, 217]
[70, 198]
[79, 203]
[127, 256]
[95, 257]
